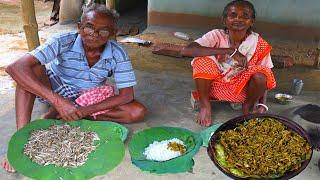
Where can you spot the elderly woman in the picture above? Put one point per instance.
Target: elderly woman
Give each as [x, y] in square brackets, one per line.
[232, 64]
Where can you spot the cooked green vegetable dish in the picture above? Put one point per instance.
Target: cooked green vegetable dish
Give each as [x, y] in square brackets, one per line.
[261, 148]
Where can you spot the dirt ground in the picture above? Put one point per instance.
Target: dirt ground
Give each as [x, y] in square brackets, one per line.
[164, 85]
[302, 53]
[11, 33]
[11, 19]
[144, 59]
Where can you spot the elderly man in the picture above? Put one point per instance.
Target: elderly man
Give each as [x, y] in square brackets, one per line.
[70, 72]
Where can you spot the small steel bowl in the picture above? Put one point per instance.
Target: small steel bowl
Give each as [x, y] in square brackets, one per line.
[283, 98]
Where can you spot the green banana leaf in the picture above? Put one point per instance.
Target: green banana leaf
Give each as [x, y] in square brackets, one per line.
[183, 163]
[207, 133]
[108, 154]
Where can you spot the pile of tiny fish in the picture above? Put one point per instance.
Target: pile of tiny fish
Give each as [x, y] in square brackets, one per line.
[60, 145]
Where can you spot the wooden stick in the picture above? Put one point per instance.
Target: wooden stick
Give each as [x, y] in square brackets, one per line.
[30, 25]
[317, 59]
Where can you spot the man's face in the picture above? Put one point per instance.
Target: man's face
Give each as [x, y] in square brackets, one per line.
[96, 29]
[239, 18]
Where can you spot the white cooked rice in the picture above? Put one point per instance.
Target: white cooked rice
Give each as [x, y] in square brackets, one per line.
[158, 151]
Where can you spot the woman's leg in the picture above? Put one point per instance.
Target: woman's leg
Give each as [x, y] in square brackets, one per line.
[262, 100]
[204, 72]
[203, 88]
[256, 89]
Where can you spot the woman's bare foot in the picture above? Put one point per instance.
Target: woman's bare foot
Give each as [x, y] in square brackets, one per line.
[259, 109]
[204, 117]
[51, 114]
[246, 107]
[6, 166]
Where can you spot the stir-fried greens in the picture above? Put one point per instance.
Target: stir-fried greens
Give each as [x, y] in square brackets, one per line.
[261, 147]
[174, 146]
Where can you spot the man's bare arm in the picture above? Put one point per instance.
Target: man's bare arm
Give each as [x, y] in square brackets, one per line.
[22, 71]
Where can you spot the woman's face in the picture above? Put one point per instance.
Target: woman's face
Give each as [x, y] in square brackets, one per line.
[239, 18]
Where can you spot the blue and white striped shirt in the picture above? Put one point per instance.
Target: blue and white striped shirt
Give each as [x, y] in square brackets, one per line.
[64, 55]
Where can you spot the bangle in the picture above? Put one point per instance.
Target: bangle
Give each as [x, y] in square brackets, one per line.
[264, 106]
[234, 52]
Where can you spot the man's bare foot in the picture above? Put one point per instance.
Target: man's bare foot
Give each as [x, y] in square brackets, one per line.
[51, 114]
[204, 117]
[6, 166]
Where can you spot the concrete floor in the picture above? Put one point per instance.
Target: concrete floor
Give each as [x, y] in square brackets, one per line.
[164, 86]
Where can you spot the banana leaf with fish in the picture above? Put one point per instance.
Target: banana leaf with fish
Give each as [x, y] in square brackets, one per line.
[107, 155]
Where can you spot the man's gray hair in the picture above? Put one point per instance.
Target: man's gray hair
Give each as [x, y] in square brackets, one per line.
[101, 8]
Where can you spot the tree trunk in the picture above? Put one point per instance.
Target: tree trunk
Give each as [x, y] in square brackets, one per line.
[30, 25]
[110, 4]
[317, 60]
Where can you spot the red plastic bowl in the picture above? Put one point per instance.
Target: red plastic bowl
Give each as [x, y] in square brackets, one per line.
[231, 124]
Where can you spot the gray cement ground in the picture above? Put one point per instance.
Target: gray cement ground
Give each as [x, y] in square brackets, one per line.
[166, 92]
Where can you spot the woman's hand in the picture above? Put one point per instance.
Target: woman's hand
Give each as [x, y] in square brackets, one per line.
[222, 57]
[241, 59]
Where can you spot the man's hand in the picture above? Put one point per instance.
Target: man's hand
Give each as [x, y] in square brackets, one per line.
[67, 110]
[82, 112]
[78, 113]
[241, 59]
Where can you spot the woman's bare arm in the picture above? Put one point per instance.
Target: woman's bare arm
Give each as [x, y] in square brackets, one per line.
[196, 50]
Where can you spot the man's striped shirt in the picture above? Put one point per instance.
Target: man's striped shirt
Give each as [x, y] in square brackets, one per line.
[64, 55]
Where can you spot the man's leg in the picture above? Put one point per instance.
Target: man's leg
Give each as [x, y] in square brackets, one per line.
[25, 99]
[24, 105]
[127, 113]
[51, 114]
[204, 116]
[257, 87]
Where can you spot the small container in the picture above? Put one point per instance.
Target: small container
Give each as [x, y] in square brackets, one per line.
[283, 98]
[297, 86]
[182, 35]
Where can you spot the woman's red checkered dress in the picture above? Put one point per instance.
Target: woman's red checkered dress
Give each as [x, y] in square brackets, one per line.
[235, 89]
